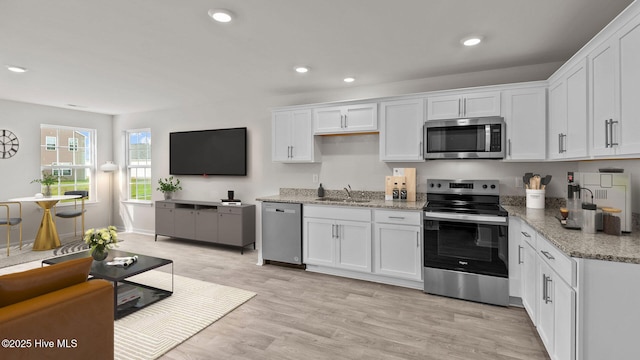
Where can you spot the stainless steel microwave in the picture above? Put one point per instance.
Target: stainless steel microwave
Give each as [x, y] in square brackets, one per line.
[475, 138]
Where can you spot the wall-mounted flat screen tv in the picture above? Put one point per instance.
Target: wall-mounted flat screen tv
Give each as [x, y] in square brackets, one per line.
[208, 152]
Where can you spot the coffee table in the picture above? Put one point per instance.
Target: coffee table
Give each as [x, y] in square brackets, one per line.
[119, 275]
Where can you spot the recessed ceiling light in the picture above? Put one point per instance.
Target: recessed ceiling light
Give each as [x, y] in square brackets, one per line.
[16, 69]
[349, 79]
[221, 15]
[301, 69]
[471, 40]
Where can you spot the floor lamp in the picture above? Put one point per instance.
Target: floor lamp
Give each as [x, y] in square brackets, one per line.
[109, 167]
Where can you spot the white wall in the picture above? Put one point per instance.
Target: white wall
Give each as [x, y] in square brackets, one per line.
[17, 172]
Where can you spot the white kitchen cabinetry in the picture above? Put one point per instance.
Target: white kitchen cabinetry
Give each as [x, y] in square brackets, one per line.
[478, 104]
[401, 123]
[525, 113]
[515, 258]
[346, 119]
[337, 237]
[615, 89]
[567, 125]
[292, 137]
[397, 249]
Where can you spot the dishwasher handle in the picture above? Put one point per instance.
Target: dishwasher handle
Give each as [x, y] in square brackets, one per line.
[281, 211]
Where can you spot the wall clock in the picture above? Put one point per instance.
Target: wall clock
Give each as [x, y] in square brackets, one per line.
[8, 144]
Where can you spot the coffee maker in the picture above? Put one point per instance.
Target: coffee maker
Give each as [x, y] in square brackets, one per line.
[605, 189]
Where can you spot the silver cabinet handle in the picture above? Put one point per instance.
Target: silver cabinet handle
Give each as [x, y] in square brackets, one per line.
[564, 142]
[509, 147]
[560, 143]
[418, 239]
[544, 287]
[464, 106]
[547, 255]
[611, 122]
[606, 133]
[346, 125]
[525, 234]
[333, 231]
[292, 151]
[397, 217]
[519, 254]
[420, 149]
[547, 298]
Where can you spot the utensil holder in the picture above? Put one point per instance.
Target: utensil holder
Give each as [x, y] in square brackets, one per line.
[535, 198]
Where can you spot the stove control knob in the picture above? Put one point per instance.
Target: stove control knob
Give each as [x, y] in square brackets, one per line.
[484, 186]
[439, 185]
[432, 184]
[493, 186]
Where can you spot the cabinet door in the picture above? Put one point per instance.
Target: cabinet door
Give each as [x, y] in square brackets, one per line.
[353, 245]
[318, 241]
[564, 300]
[515, 258]
[401, 130]
[444, 107]
[557, 124]
[281, 135]
[230, 229]
[626, 134]
[526, 117]
[302, 137]
[481, 104]
[604, 96]
[529, 281]
[363, 117]
[185, 223]
[397, 251]
[207, 225]
[165, 221]
[328, 120]
[575, 143]
[545, 325]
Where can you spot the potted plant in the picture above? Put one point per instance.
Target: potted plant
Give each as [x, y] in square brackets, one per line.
[47, 180]
[168, 186]
[100, 241]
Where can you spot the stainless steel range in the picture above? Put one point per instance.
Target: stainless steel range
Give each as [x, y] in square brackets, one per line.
[466, 241]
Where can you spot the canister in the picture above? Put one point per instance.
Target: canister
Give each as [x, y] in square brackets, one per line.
[589, 218]
[611, 221]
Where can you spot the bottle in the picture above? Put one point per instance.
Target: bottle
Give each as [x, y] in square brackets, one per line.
[403, 192]
[320, 191]
[396, 191]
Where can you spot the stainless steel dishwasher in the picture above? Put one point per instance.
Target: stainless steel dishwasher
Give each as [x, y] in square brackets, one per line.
[282, 232]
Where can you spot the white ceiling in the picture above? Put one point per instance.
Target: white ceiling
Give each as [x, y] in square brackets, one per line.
[124, 56]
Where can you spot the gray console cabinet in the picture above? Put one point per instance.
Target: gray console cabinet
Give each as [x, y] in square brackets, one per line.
[207, 221]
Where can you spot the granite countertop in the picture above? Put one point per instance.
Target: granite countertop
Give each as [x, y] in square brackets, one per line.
[365, 199]
[599, 246]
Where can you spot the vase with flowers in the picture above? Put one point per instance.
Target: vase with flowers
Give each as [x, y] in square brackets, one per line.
[47, 180]
[100, 241]
[168, 186]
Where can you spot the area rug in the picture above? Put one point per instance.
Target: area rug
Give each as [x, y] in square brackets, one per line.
[194, 305]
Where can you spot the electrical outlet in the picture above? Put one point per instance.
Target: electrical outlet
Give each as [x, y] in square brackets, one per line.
[519, 183]
[315, 178]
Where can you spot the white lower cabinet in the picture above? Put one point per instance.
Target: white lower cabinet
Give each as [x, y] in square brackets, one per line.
[548, 293]
[376, 245]
[397, 244]
[337, 237]
[515, 258]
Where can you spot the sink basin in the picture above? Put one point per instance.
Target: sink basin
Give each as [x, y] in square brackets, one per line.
[343, 200]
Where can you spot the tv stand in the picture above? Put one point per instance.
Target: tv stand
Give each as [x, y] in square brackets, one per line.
[211, 222]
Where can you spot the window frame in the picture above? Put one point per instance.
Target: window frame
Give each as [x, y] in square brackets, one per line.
[135, 167]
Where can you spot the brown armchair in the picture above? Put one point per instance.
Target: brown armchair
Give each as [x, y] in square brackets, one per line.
[56, 306]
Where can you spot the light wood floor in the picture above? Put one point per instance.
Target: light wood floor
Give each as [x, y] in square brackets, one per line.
[303, 315]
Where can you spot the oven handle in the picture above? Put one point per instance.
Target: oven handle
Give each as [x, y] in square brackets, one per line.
[476, 219]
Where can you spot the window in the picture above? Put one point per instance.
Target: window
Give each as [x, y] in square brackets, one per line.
[139, 164]
[73, 163]
[51, 143]
[73, 144]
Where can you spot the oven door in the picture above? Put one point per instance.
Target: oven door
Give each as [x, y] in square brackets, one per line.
[469, 243]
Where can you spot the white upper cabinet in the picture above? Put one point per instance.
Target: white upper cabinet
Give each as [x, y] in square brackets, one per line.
[292, 140]
[567, 126]
[478, 104]
[615, 90]
[525, 113]
[401, 123]
[345, 119]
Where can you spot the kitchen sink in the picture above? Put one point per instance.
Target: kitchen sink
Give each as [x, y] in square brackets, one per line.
[343, 200]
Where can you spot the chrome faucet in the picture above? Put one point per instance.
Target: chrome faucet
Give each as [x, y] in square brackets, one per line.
[348, 191]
